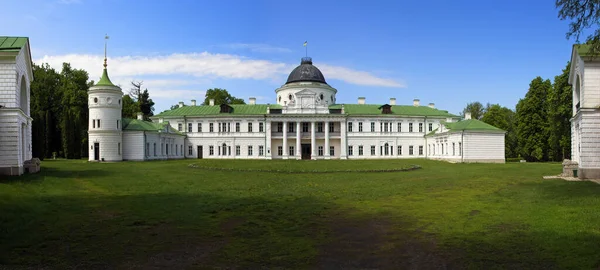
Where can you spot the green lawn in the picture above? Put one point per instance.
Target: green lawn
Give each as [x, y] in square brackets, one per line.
[165, 214]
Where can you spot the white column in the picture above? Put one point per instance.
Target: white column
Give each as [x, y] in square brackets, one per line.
[343, 145]
[327, 140]
[268, 152]
[285, 145]
[298, 140]
[313, 141]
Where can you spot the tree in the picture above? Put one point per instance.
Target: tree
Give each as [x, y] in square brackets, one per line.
[130, 107]
[475, 108]
[141, 99]
[583, 14]
[560, 99]
[503, 118]
[43, 109]
[532, 131]
[146, 105]
[221, 96]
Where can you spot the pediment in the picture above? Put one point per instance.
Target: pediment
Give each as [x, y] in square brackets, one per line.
[306, 92]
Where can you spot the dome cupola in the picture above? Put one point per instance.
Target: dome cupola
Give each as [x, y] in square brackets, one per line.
[306, 72]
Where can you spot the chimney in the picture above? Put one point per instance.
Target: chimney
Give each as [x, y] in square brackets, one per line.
[268, 108]
[140, 116]
[180, 104]
[160, 120]
[343, 109]
[361, 100]
[252, 101]
[393, 101]
[416, 102]
[467, 115]
[193, 102]
[211, 102]
[431, 105]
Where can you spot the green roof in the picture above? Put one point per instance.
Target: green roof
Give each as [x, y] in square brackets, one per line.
[471, 124]
[374, 109]
[141, 125]
[349, 109]
[12, 44]
[104, 80]
[238, 109]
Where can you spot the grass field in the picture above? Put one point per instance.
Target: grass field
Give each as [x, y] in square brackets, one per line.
[165, 214]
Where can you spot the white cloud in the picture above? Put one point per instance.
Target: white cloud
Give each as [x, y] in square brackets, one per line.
[261, 48]
[204, 66]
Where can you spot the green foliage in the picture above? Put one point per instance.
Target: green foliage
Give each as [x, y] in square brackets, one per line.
[503, 118]
[164, 214]
[532, 125]
[582, 15]
[221, 96]
[130, 107]
[60, 111]
[560, 102]
[139, 101]
[475, 108]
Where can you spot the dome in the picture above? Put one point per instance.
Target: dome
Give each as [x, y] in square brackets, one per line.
[306, 72]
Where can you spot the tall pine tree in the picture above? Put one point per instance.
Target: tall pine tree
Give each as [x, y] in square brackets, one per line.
[532, 126]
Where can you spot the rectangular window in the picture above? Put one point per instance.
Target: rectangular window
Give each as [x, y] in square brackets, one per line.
[237, 127]
[305, 127]
[219, 127]
[410, 127]
[98, 123]
[331, 127]
[279, 127]
[410, 150]
[380, 126]
[385, 127]
[320, 127]
[430, 127]
[453, 149]
[460, 149]
[249, 127]
[261, 150]
[211, 127]
[420, 150]
[279, 150]
[399, 150]
[154, 149]
[372, 126]
[291, 151]
[176, 148]
[147, 149]
[211, 150]
[237, 150]
[320, 151]
[179, 127]
[119, 146]
[94, 123]
[359, 126]
[199, 127]
[360, 150]
[189, 127]
[190, 150]
[331, 151]
[372, 150]
[399, 127]
[350, 150]
[291, 126]
[261, 127]
[349, 126]
[228, 127]
[420, 127]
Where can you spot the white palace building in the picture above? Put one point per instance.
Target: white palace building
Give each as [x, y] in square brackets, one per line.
[304, 122]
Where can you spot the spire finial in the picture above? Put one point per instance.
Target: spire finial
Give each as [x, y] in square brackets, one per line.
[105, 42]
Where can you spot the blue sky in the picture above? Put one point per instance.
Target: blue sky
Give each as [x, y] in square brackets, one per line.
[446, 52]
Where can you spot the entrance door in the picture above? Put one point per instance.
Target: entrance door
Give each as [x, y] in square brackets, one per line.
[200, 151]
[96, 151]
[305, 151]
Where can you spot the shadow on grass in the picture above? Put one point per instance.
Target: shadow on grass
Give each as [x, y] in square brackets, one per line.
[58, 173]
[177, 231]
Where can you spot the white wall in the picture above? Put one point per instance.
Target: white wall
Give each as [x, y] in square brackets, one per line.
[483, 147]
[133, 145]
[589, 156]
[591, 85]
[109, 146]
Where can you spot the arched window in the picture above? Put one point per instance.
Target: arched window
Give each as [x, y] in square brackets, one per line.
[224, 150]
[386, 146]
[577, 95]
[23, 96]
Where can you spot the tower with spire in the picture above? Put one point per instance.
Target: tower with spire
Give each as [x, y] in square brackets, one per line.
[105, 135]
